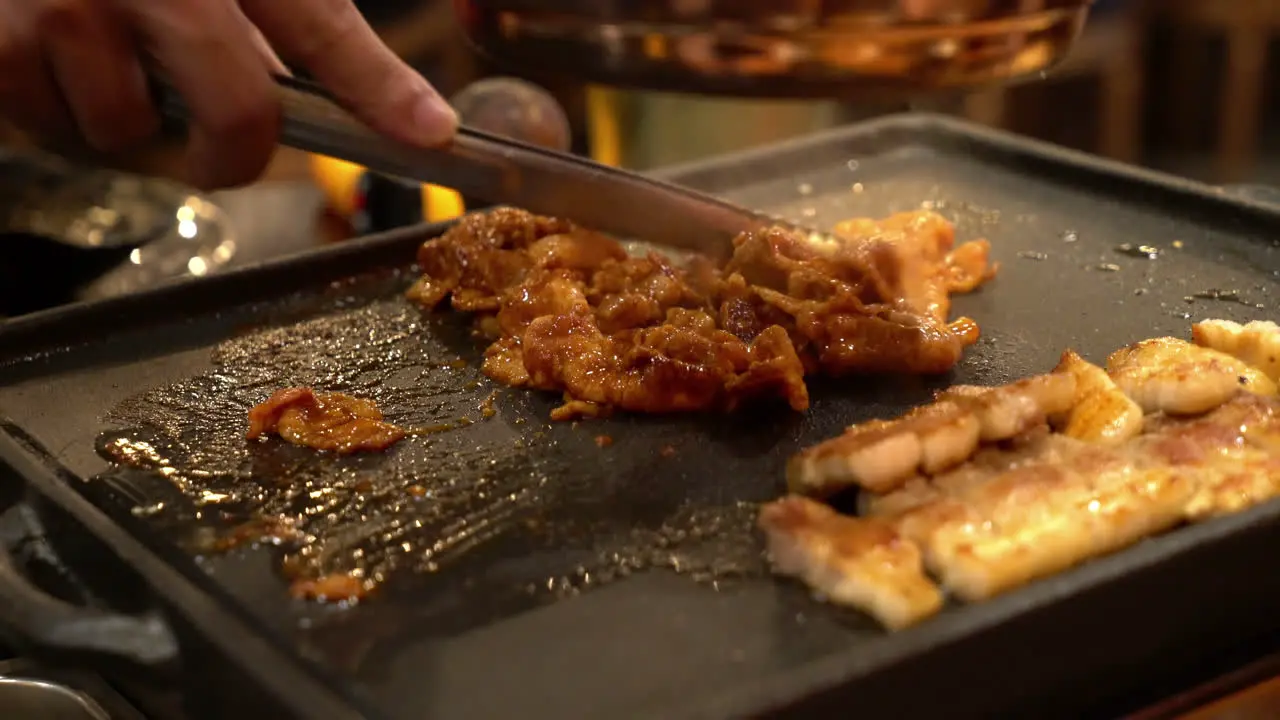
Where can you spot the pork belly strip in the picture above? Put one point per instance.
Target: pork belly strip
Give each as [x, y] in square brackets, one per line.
[864, 563]
[882, 455]
[1042, 502]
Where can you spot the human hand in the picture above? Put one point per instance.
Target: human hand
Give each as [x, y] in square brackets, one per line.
[76, 68]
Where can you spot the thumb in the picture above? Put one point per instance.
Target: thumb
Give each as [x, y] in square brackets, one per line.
[334, 43]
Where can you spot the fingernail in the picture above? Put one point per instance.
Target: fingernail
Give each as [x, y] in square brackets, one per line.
[435, 122]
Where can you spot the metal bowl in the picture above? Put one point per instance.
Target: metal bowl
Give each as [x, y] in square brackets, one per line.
[850, 49]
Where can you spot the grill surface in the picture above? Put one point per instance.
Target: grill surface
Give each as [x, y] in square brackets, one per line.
[530, 570]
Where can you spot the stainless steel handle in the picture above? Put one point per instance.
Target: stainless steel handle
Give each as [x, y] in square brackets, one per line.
[475, 164]
[1265, 194]
[71, 633]
[505, 172]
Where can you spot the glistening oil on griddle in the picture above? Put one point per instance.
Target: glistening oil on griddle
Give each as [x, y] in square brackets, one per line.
[654, 645]
[490, 500]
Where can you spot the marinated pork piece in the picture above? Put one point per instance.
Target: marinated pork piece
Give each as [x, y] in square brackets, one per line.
[1256, 343]
[873, 297]
[881, 455]
[338, 587]
[329, 421]
[861, 563]
[919, 263]
[568, 310]
[1173, 376]
[1101, 412]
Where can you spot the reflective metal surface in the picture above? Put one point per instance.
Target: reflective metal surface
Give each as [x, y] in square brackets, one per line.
[39, 700]
[506, 172]
[161, 229]
[30, 690]
[516, 109]
[197, 241]
[852, 49]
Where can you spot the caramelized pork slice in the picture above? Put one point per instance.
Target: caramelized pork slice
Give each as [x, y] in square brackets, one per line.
[1010, 516]
[1174, 376]
[1064, 503]
[987, 463]
[1256, 343]
[329, 421]
[1233, 453]
[881, 455]
[863, 563]
[914, 493]
[1041, 502]
[1009, 410]
[1101, 412]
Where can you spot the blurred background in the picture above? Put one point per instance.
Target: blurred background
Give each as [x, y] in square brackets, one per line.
[1185, 86]
[1182, 85]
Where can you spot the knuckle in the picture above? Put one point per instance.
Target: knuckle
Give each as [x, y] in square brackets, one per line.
[248, 119]
[119, 125]
[60, 16]
[328, 27]
[245, 137]
[227, 172]
[18, 49]
[13, 55]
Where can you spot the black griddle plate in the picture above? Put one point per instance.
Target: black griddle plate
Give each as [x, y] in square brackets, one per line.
[482, 636]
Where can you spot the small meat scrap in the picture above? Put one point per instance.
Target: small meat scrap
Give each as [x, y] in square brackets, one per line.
[336, 587]
[864, 563]
[1174, 376]
[1233, 452]
[1256, 343]
[325, 421]
[569, 310]
[274, 530]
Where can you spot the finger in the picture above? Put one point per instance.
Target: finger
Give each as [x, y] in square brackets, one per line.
[95, 62]
[29, 96]
[333, 42]
[203, 48]
[269, 56]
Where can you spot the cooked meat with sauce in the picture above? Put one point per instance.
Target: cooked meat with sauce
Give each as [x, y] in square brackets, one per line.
[568, 310]
[325, 421]
[1076, 471]
[339, 587]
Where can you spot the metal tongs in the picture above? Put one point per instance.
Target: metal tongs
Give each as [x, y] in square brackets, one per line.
[505, 172]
